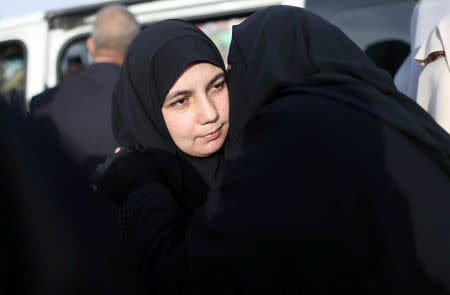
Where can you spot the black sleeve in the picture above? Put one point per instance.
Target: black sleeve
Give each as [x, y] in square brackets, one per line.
[152, 246]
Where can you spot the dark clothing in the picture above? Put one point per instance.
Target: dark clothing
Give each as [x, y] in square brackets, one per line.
[42, 99]
[81, 110]
[327, 181]
[346, 219]
[389, 54]
[323, 198]
[317, 194]
[58, 237]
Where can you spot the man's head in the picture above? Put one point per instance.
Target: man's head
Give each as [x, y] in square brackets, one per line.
[114, 28]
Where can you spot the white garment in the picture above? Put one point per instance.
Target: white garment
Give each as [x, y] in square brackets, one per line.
[425, 17]
[433, 92]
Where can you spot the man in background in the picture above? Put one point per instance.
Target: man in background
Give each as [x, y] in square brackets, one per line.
[74, 66]
[80, 106]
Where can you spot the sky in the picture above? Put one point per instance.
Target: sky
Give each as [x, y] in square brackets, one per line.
[20, 7]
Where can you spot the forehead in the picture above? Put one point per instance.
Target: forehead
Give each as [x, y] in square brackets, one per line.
[198, 73]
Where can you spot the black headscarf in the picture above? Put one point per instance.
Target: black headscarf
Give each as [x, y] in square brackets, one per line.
[284, 49]
[155, 59]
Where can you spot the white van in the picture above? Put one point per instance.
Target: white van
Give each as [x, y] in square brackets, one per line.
[35, 49]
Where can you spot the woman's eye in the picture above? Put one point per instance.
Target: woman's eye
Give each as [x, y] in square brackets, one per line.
[179, 102]
[219, 86]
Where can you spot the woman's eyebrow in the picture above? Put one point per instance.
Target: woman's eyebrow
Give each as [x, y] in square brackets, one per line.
[171, 95]
[216, 77]
[176, 93]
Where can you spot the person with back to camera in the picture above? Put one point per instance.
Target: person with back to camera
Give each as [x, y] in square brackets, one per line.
[343, 180]
[326, 185]
[80, 106]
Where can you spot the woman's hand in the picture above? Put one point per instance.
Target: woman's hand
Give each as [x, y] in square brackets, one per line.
[124, 171]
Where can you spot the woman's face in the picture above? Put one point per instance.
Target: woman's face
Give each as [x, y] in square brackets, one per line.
[196, 110]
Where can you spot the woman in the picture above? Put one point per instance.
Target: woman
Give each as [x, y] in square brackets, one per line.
[171, 100]
[432, 93]
[164, 104]
[328, 186]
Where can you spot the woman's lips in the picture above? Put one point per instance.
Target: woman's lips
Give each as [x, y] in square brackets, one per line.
[213, 135]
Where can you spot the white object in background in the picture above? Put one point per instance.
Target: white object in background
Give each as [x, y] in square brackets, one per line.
[433, 92]
[425, 17]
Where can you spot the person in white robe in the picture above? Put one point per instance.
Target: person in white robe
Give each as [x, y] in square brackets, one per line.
[426, 15]
[433, 92]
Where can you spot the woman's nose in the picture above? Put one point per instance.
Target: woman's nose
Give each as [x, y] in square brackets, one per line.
[207, 110]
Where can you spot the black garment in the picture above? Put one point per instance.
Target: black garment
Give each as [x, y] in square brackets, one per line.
[336, 181]
[327, 184]
[58, 237]
[155, 58]
[45, 97]
[80, 107]
[322, 212]
[389, 54]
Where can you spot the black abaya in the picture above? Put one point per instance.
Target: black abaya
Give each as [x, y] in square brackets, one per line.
[327, 186]
[321, 190]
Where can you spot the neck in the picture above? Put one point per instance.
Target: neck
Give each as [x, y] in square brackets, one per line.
[107, 55]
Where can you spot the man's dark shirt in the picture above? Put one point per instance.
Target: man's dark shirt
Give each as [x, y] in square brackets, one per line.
[80, 107]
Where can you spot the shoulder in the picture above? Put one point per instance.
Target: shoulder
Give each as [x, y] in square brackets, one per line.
[97, 78]
[42, 99]
[103, 75]
[102, 67]
[311, 114]
[312, 129]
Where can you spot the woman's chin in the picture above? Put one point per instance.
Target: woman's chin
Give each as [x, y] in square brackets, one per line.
[209, 148]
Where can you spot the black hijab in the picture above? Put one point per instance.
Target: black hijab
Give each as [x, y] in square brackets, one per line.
[154, 60]
[283, 49]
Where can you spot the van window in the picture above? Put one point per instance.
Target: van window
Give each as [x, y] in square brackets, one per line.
[12, 70]
[74, 58]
